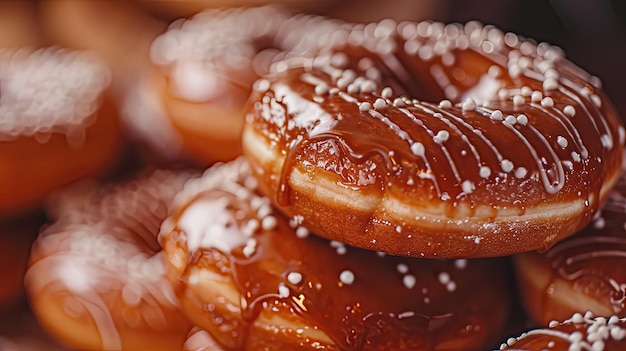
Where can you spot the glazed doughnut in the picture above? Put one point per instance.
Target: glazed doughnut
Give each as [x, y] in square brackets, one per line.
[585, 271]
[432, 140]
[208, 64]
[95, 278]
[578, 333]
[57, 123]
[254, 281]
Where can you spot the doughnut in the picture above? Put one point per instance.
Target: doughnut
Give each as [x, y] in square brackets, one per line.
[16, 239]
[57, 123]
[578, 333]
[432, 140]
[256, 281]
[584, 271]
[95, 279]
[207, 66]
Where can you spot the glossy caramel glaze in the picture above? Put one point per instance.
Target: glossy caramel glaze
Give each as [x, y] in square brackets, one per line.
[585, 271]
[579, 333]
[459, 123]
[95, 279]
[253, 279]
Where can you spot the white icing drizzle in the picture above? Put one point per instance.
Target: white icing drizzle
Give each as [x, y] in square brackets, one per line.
[103, 247]
[541, 63]
[49, 91]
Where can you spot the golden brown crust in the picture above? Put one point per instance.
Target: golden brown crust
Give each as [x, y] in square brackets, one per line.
[517, 151]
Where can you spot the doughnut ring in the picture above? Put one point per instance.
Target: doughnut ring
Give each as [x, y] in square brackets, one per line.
[432, 140]
[96, 278]
[254, 281]
[57, 123]
[584, 271]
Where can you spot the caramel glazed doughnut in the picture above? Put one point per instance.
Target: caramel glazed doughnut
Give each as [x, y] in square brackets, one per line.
[578, 333]
[57, 123]
[96, 280]
[511, 149]
[208, 64]
[255, 281]
[583, 272]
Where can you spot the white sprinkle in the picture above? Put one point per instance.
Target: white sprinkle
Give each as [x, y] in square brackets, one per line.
[596, 100]
[402, 268]
[398, 102]
[520, 172]
[365, 106]
[248, 251]
[510, 119]
[451, 286]
[398, 229]
[302, 232]
[294, 278]
[550, 84]
[506, 165]
[606, 140]
[484, 172]
[547, 102]
[526, 91]
[577, 318]
[503, 94]
[368, 86]
[562, 141]
[553, 324]
[460, 263]
[380, 103]
[569, 110]
[346, 277]
[496, 115]
[576, 156]
[262, 85]
[467, 186]
[409, 281]
[522, 119]
[418, 149]
[469, 105]
[321, 89]
[444, 278]
[283, 291]
[386, 93]
[536, 96]
[445, 104]
[518, 100]
[268, 223]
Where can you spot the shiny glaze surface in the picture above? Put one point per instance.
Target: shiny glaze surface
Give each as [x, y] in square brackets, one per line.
[362, 300]
[450, 114]
[579, 333]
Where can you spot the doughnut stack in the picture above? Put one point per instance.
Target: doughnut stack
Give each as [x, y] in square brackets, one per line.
[328, 186]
